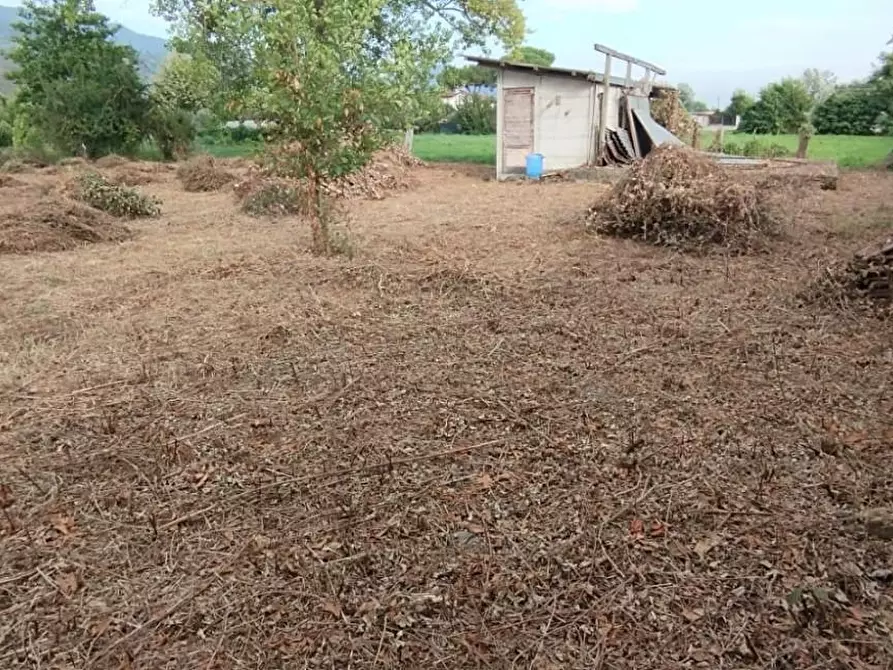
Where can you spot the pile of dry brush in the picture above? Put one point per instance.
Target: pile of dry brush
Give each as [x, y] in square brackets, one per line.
[55, 223]
[667, 109]
[389, 170]
[203, 174]
[864, 280]
[679, 198]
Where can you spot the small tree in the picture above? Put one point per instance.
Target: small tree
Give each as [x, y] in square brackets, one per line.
[328, 98]
[82, 91]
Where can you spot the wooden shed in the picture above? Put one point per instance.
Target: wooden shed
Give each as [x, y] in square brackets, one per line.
[557, 112]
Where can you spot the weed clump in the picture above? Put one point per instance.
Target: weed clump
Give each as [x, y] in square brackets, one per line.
[120, 201]
[203, 174]
[678, 198]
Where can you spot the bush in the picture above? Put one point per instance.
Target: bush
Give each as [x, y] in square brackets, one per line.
[5, 134]
[752, 148]
[775, 151]
[476, 115]
[851, 110]
[173, 131]
[120, 201]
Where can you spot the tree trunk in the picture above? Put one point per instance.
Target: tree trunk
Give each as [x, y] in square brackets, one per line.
[696, 138]
[319, 225]
[803, 147]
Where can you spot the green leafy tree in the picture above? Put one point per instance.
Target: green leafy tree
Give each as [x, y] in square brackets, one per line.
[329, 99]
[532, 56]
[741, 102]
[850, 110]
[80, 91]
[469, 76]
[186, 82]
[437, 27]
[476, 115]
[783, 107]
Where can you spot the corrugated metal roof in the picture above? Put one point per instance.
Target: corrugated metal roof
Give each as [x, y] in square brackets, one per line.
[589, 75]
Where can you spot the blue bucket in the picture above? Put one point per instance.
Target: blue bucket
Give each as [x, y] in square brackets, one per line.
[534, 168]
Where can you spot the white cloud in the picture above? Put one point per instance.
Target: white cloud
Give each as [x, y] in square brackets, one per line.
[604, 6]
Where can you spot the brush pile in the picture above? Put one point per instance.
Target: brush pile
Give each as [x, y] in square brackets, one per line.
[55, 224]
[269, 196]
[97, 191]
[866, 279]
[667, 109]
[677, 198]
[203, 174]
[389, 170]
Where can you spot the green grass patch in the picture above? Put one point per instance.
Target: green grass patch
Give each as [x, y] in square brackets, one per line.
[456, 148]
[851, 151]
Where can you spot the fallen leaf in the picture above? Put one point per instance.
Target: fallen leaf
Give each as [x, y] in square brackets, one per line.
[6, 497]
[705, 546]
[332, 608]
[658, 529]
[484, 480]
[63, 524]
[637, 528]
[693, 615]
[67, 583]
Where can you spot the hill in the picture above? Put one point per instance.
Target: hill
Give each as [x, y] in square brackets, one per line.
[152, 50]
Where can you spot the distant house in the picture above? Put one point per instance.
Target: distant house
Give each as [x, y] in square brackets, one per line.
[454, 97]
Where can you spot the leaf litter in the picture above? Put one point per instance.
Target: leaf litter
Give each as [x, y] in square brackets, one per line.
[508, 446]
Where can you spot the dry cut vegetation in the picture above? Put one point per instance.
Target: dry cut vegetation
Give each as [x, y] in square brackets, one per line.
[864, 280]
[490, 440]
[55, 224]
[107, 196]
[678, 198]
[203, 174]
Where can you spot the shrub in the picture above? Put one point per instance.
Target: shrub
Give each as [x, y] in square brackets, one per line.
[120, 201]
[775, 151]
[476, 115]
[173, 131]
[5, 134]
[203, 173]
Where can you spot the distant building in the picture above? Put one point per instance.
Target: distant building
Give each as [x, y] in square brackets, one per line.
[555, 112]
[454, 97]
[715, 120]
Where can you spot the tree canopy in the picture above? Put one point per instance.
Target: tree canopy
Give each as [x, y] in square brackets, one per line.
[741, 102]
[435, 28]
[532, 56]
[79, 89]
[783, 107]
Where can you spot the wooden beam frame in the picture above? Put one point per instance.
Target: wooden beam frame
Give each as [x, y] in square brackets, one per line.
[630, 59]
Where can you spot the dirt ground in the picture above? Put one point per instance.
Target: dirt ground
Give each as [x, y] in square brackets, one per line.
[489, 439]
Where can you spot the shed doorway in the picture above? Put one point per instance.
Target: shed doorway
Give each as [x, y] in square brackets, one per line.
[517, 128]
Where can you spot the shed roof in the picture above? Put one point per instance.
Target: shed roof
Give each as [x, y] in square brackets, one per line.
[589, 75]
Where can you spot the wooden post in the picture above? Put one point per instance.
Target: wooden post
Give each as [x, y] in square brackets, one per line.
[629, 74]
[603, 113]
[803, 146]
[408, 138]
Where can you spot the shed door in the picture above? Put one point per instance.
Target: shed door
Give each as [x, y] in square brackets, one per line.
[517, 127]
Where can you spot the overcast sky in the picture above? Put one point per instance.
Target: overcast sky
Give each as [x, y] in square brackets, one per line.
[714, 46]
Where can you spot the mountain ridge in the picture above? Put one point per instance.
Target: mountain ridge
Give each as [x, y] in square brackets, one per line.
[151, 50]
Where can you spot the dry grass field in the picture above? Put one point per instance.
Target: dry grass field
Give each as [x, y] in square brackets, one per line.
[488, 440]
